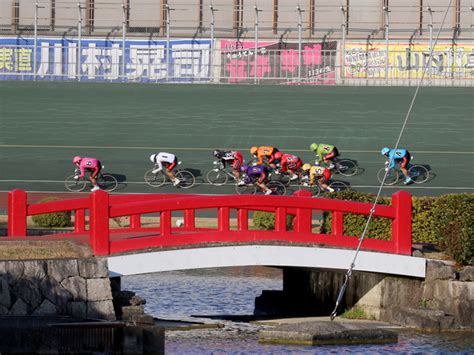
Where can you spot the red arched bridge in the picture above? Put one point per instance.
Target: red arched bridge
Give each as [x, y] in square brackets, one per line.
[139, 248]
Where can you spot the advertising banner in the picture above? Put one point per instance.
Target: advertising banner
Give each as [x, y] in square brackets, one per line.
[278, 62]
[409, 61]
[105, 60]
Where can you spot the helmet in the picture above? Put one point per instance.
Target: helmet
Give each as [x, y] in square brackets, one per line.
[253, 150]
[313, 146]
[278, 155]
[306, 167]
[76, 159]
[153, 158]
[218, 153]
[385, 150]
[244, 168]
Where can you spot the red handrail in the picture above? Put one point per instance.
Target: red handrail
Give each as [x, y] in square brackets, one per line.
[102, 207]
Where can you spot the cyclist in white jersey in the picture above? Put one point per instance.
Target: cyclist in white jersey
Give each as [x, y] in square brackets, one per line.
[168, 161]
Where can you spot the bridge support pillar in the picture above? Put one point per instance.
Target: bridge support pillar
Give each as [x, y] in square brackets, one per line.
[401, 226]
[17, 213]
[99, 223]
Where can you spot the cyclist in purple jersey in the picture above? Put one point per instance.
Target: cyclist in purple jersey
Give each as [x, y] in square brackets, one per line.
[258, 175]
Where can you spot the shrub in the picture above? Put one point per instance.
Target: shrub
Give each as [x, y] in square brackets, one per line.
[53, 220]
[379, 228]
[423, 220]
[266, 220]
[453, 226]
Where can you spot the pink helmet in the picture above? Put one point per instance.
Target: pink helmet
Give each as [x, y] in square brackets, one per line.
[76, 159]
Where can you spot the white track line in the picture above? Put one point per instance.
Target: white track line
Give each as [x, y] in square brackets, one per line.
[200, 149]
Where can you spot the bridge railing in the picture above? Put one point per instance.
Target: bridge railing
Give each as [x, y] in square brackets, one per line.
[102, 207]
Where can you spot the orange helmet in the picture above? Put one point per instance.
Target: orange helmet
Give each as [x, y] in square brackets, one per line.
[253, 150]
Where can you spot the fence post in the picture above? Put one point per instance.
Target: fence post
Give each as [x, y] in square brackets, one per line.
[189, 220]
[99, 223]
[223, 219]
[17, 213]
[80, 221]
[337, 225]
[303, 219]
[242, 219]
[165, 223]
[401, 226]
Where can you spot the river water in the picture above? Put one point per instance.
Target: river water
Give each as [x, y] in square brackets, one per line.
[211, 295]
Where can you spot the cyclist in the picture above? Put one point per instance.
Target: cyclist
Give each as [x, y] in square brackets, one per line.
[289, 163]
[258, 175]
[264, 151]
[321, 173]
[398, 156]
[234, 158]
[325, 152]
[91, 165]
[168, 161]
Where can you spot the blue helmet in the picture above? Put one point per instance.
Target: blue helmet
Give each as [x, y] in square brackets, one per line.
[385, 150]
[244, 168]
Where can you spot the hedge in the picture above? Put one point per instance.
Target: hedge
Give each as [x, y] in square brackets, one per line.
[53, 220]
[447, 221]
[266, 220]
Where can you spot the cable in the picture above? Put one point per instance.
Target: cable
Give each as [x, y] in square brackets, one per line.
[372, 210]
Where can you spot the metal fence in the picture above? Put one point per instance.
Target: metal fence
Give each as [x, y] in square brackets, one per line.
[204, 61]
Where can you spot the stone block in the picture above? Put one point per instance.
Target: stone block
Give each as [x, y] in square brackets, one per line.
[5, 297]
[422, 319]
[400, 291]
[29, 292]
[141, 319]
[100, 310]
[19, 308]
[76, 286]
[34, 269]
[77, 310]
[53, 291]
[467, 274]
[137, 301]
[98, 289]
[61, 269]
[130, 311]
[93, 268]
[437, 270]
[11, 270]
[46, 308]
[4, 310]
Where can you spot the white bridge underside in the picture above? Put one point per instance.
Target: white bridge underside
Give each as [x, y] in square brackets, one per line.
[265, 255]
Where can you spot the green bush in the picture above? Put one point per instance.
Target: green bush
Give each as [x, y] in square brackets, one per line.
[266, 220]
[379, 228]
[55, 219]
[453, 226]
[423, 220]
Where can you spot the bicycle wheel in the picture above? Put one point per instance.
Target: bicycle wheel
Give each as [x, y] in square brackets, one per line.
[418, 173]
[217, 178]
[314, 189]
[74, 185]
[392, 176]
[277, 187]
[246, 189]
[346, 167]
[107, 182]
[186, 179]
[155, 180]
[339, 186]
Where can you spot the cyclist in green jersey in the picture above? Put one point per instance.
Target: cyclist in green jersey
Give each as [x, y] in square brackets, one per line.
[325, 152]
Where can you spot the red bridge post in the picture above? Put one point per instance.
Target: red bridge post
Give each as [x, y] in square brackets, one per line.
[401, 226]
[99, 223]
[17, 213]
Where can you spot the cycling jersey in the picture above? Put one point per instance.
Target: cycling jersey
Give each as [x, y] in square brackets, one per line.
[401, 156]
[90, 164]
[320, 172]
[290, 162]
[268, 152]
[257, 173]
[326, 150]
[234, 157]
[167, 159]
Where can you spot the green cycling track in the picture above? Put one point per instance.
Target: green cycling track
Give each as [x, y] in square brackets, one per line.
[44, 124]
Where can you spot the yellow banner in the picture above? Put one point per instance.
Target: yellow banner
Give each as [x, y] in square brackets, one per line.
[408, 61]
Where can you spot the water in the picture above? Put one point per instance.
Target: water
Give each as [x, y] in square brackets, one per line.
[212, 293]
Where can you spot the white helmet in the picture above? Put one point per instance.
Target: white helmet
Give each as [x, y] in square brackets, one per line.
[153, 157]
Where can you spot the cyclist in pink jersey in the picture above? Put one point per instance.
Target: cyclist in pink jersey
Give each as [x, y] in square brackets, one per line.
[91, 165]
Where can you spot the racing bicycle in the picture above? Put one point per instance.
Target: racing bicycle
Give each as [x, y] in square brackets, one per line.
[106, 182]
[219, 176]
[418, 173]
[185, 177]
[316, 188]
[344, 167]
[276, 186]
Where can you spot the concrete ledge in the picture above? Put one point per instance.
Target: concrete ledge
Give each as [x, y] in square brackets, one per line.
[327, 332]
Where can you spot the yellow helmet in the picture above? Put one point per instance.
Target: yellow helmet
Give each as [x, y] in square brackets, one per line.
[306, 167]
[253, 150]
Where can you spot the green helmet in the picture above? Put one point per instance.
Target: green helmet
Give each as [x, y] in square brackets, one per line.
[313, 147]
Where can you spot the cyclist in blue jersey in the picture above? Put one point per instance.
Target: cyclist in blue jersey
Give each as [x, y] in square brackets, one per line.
[258, 175]
[398, 156]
